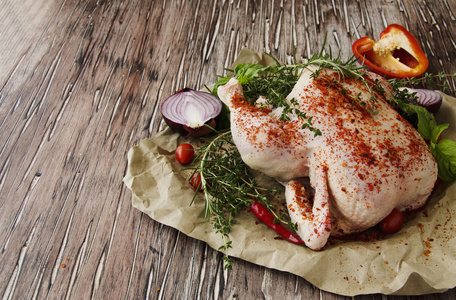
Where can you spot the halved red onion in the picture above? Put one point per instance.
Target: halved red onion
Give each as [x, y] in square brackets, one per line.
[188, 111]
[429, 99]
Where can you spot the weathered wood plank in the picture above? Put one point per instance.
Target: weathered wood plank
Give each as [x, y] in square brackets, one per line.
[82, 81]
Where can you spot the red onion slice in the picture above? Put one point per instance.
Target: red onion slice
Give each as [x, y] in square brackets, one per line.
[429, 99]
[188, 110]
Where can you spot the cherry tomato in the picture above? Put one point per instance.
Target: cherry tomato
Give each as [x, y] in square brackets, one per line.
[185, 154]
[195, 181]
[392, 222]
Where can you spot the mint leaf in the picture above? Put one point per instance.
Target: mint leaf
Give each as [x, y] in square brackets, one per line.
[444, 153]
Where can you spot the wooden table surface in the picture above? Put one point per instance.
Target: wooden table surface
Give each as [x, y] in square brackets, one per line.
[81, 82]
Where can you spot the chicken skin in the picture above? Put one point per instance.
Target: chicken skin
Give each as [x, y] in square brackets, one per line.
[367, 161]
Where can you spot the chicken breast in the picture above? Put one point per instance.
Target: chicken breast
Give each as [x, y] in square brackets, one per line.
[367, 161]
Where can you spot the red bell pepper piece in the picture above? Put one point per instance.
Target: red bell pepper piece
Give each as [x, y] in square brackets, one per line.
[268, 218]
[396, 54]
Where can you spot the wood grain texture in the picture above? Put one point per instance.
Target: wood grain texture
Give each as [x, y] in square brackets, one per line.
[81, 82]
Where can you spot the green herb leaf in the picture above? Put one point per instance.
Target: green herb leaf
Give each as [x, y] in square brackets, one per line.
[426, 121]
[445, 155]
[244, 73]
[444, 151]
[436, 131]
[220, 82]
[427, 125]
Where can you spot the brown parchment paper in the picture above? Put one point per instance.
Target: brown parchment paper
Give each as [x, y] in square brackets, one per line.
[419, 259]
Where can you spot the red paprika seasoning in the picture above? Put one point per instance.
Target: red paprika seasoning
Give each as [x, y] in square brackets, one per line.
[396, 54]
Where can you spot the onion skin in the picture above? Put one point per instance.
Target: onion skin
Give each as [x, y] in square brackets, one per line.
[177, 106]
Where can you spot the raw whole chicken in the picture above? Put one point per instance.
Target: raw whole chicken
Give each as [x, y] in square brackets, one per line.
[362, 166]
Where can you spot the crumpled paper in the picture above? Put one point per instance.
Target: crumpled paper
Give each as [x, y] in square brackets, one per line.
[419, 259]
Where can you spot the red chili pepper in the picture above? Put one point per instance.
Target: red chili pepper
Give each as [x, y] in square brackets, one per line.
[268, 218]
[396, 54]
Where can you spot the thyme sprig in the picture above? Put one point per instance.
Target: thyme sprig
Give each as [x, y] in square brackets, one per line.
[402, 98]
[440, 81]
[346, 69]
[274, 83]
[275, 86]
[228, 186]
